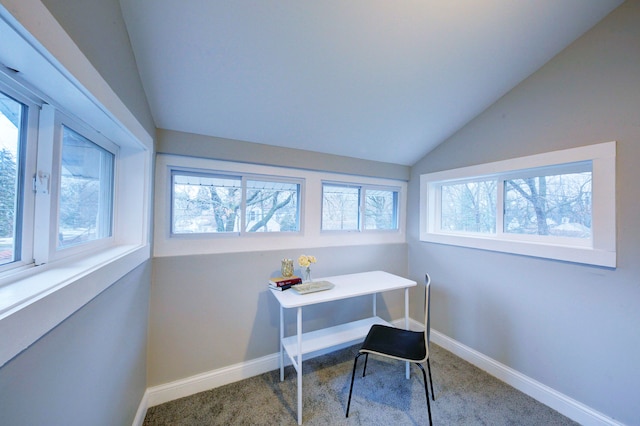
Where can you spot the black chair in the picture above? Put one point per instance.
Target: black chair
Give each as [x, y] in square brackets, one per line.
[400, 344]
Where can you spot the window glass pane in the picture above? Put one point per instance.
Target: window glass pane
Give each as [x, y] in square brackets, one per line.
[272, 206]
[11, 116]
[86, 191]
[469, 207]
[556, 205]
[340, 207]
[381, 209]
[205, 203]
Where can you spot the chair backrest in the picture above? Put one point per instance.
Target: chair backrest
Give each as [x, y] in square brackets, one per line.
[427, 317]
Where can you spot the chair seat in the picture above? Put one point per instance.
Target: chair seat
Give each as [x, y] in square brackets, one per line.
[405, 345]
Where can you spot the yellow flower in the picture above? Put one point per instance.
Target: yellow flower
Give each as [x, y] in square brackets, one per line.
[305, 260]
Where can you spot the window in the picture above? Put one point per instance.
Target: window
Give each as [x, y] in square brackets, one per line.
[272, 206]
[86, 191]
[355, 208]
[468, 206]
[204, 203]
[65, 205]
[340, 207]
[558, 205]
[277, 208]
[381, 209]
[12, 125]
[553, 204]
[18, 112]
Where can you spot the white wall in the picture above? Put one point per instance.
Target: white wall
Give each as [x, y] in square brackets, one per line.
[571, 327]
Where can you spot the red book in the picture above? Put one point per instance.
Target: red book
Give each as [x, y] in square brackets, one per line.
[282, 281]
[280, 288]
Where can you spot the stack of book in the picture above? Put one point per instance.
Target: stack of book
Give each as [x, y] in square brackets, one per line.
[284, 283]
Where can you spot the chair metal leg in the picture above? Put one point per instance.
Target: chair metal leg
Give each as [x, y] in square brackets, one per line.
[366, 359]
[433, 395]
[353, 375]
[424, 377]
[426, 390]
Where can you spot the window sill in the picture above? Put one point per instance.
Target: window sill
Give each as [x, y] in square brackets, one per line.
[575, 254]
[44, 296]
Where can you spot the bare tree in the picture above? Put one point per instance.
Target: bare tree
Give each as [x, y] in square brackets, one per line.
[258, 198]
[537, 196]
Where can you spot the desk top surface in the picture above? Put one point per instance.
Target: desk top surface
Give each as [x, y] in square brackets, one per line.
[346, 286]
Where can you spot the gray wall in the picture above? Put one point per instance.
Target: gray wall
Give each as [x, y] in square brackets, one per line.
[213, 311]
[180, 143]
[98, 29]
[572, 327]
[90, 369]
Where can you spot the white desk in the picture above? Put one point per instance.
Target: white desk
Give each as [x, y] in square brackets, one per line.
[346, 286]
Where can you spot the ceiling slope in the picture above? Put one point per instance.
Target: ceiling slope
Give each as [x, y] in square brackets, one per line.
[371, 79]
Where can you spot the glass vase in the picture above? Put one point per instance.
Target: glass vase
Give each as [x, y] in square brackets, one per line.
[307, 275]
[286, 269]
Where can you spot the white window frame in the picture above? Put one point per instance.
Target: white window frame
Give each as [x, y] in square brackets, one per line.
[47, 203]
[29, 163]
[362, 212]
[599, 250]
[243, 178]
[310, 234]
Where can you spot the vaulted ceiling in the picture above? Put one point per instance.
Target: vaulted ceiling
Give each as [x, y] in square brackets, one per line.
[374, 79]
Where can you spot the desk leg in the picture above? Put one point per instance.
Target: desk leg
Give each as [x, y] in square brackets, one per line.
[281, 345]
[375, 306]
[299, 327]
[406, 322]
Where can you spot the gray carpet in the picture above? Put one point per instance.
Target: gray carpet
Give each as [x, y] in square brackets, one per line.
[465, 395]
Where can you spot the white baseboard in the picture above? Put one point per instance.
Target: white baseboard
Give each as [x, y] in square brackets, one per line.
[565, 405]
[210, 380]
[142, 410]
[160, 394]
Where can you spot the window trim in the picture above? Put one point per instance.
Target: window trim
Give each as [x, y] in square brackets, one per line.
[602, 248]
[310, 210]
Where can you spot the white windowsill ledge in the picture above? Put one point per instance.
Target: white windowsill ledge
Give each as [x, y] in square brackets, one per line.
[575, 254]
[46, 295]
